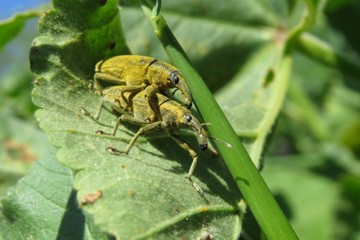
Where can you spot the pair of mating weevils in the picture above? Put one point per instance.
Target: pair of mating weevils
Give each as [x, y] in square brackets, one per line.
[136, 88]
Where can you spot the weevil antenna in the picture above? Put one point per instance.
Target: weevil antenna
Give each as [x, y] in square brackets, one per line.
[217, 139]
[222, 141]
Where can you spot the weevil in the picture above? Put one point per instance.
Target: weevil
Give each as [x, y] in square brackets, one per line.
[133, 73]
[174, 116]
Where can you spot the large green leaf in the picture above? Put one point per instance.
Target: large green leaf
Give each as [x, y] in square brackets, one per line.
[21, 144]
[43, 205]
[263, 83]
[9, 28]
[315, 137]
[327, 182]
[145, 193]
[318, 202]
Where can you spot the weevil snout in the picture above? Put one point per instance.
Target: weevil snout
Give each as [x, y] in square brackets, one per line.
[203, 140]
[194, 124]
[178, 81]
[203, 146]
[186, 93]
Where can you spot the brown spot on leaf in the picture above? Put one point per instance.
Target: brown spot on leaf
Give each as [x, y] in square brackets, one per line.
[91, 198]
[176, 209]
[280, 35]
[131, 193]
[19, 151]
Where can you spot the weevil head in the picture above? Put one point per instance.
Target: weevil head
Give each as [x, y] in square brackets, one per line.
[176, 80]
[167, 76]
[189, 120]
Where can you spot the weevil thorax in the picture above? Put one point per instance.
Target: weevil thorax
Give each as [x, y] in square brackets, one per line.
[167, 76]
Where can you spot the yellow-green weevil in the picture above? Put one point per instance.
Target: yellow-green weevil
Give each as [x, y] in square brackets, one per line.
[139, 73]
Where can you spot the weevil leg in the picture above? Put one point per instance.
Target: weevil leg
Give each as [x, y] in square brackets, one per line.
[107, 78]
[126, 118]
[133, 120]
[104, 77]
[152, 99]
[97, 114]
[151, 127]
[197, 188]
[184, 145]
[115, 128]
[130, 88]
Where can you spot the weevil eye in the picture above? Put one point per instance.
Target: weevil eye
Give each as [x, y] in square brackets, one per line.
[188, 118]
[174, 78]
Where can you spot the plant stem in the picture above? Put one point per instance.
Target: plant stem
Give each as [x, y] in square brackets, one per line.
[305, 23]
[256, 194]
[310, 114]
[322, 52]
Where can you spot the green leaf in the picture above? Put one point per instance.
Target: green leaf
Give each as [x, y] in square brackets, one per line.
[46, 192]
[314, 197]
[21, 144]
[327, 186]
[262, 83]
[43, 206]
[145, 193]
[9, 28]
[314, 151]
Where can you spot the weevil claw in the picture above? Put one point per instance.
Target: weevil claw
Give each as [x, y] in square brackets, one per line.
[115, 151]
[85, 112]
[91, 86]
[101, 132]
[197, 188]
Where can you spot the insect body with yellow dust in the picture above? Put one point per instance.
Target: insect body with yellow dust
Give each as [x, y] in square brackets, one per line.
[133, 73]
[174, 116]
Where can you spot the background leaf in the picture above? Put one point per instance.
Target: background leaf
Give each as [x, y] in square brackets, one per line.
[10, 28]
[21, 140]
[43, 205]
[21, 144]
